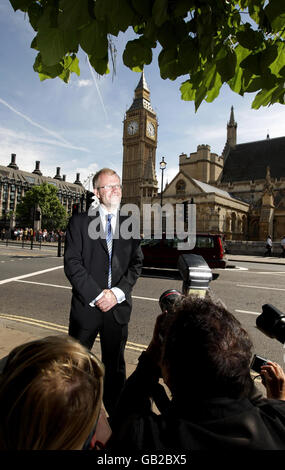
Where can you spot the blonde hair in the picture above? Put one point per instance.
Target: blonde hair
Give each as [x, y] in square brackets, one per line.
[50, 395]
[104, 171]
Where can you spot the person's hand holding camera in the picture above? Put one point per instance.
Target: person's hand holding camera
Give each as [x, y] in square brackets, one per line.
[155, 346]
[273, 378]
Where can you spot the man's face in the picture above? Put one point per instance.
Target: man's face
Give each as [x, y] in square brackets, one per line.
[109, 197]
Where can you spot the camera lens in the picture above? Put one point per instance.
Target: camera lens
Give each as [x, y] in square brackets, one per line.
[168, 298]
[272, 322]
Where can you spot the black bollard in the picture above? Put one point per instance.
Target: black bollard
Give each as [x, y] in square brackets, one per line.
[59, 246]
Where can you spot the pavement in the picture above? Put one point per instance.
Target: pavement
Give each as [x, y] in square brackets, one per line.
[13, 334]
[255, 259]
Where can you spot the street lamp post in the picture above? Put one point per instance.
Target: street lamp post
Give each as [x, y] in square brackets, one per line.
[162, 165]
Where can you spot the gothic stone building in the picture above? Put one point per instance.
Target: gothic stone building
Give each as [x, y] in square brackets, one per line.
[194, 182]
[240, 194]
[255, 173]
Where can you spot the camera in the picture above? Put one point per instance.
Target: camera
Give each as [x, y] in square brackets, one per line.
[195, 273]
[196, 276]
[168, 299]
[257, 362]
[166, 303]
[272, 322]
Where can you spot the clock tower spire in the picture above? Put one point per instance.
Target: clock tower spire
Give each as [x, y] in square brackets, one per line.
[139, 142]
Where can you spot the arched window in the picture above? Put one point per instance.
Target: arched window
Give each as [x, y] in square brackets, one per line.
[180, 187]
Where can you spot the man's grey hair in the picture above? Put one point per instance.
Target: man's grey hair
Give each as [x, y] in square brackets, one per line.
[105, 171]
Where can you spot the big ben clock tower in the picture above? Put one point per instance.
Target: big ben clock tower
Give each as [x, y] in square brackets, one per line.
[140, 142]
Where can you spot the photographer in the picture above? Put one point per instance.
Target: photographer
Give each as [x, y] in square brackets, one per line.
[204, 359]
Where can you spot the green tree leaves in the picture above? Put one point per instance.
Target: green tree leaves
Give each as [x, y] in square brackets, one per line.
[275, 11]
[93, 39]
[277, 67]
[73, 15]
[248, 37]
[137, 53]
[236, 42]
[159, 12]
[50, 42]
[226, 66]
[54, 216]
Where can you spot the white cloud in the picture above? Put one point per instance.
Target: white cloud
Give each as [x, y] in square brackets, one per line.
[14, 136]
[26, 157]
[30, 152]
[84, 83]
[168, 176]
[86, 174]
[254, 125]
[97, 88]
[208, 133]
[60, 140]
[28, 119]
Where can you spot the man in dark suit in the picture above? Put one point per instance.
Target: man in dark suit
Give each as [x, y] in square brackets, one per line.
[102, 269]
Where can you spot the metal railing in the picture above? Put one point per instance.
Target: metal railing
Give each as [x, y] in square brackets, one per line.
[35, 244]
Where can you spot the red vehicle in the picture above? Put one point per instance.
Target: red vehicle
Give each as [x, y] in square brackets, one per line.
[164, 253]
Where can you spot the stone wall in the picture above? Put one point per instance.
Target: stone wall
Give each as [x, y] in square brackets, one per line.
[237, 247]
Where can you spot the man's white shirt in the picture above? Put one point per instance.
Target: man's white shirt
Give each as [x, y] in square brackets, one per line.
[119, 294]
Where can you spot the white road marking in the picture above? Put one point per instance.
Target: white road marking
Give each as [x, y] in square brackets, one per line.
[234, 268]
[144, 298]
[247, 311]
[247, 270]
[68, 287]
[260, 287]
[267, 272]
[36, 273]
[43, 284]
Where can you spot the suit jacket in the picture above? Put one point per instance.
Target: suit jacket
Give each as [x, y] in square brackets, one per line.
[86, 267]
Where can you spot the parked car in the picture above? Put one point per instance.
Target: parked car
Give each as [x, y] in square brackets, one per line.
[164, 253]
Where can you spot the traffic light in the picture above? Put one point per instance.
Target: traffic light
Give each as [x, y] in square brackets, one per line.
[37, 215]
[75, 208]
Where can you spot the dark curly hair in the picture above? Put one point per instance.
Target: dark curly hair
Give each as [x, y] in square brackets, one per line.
[206, 353]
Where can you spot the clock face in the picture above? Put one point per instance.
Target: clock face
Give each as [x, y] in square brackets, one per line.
[150, 128]
[133, 127]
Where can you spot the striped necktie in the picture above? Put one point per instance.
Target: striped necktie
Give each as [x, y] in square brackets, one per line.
[109, 241]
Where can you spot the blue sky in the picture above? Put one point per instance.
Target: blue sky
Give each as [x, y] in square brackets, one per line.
[79, 126]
